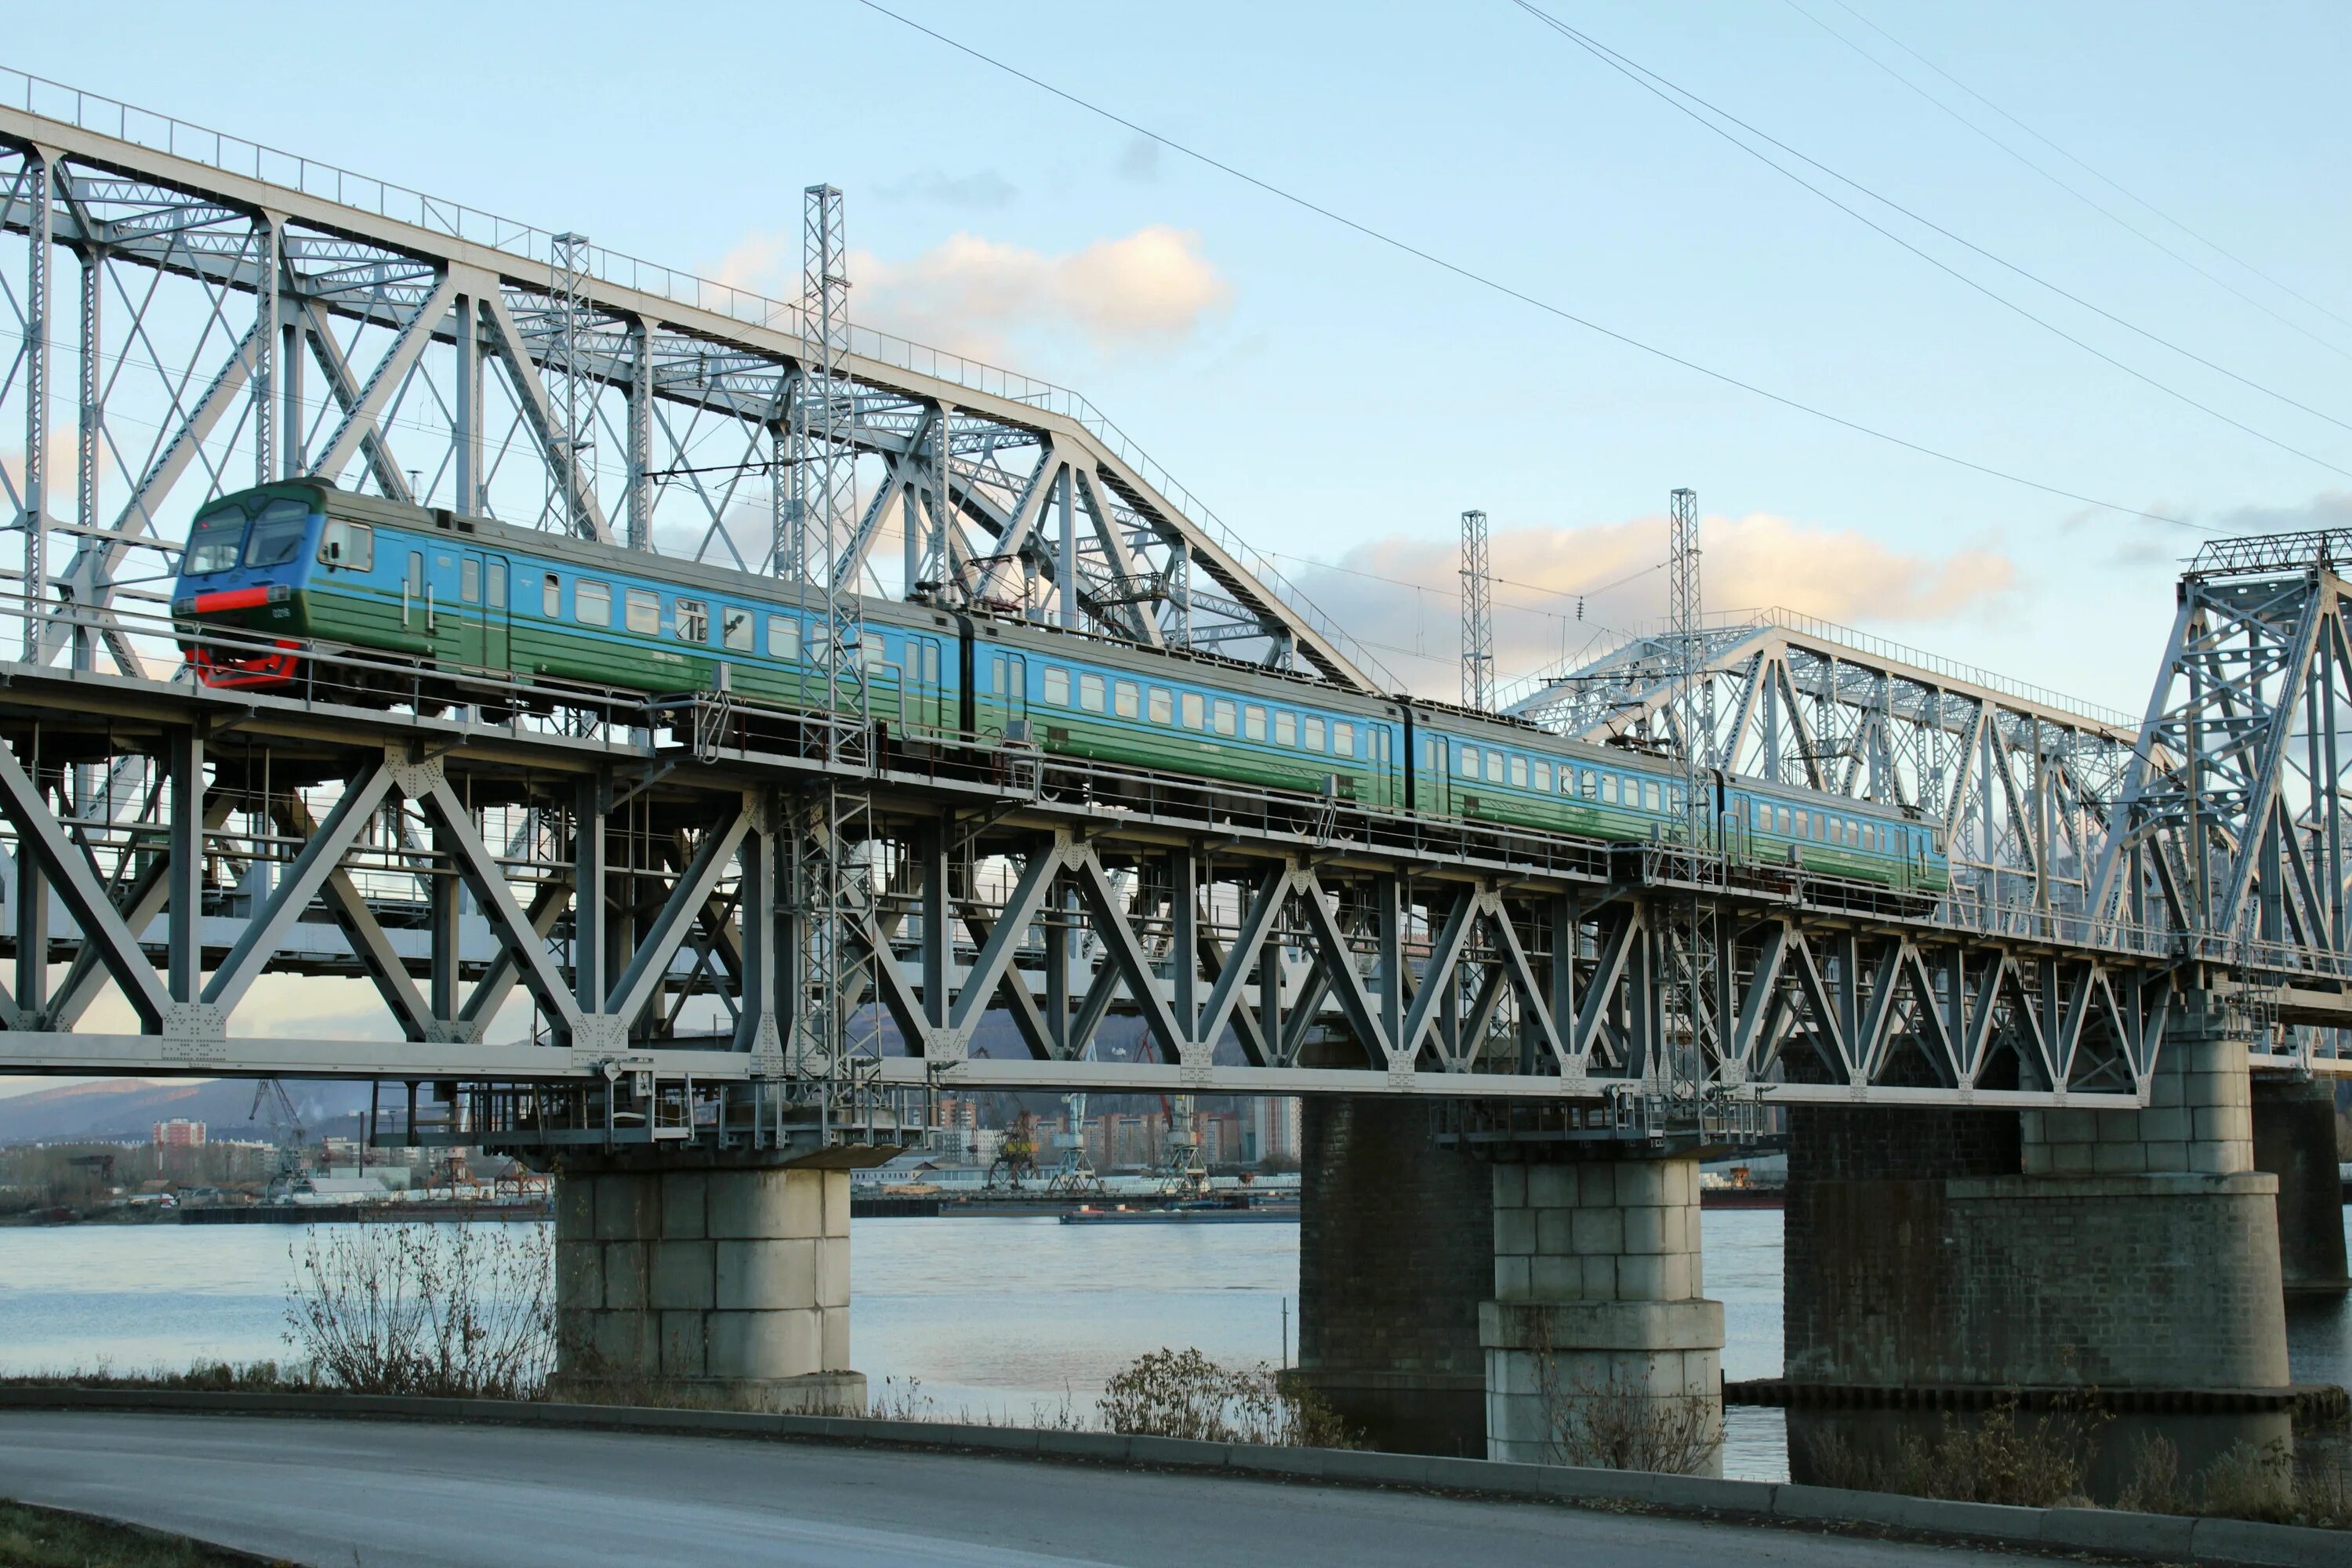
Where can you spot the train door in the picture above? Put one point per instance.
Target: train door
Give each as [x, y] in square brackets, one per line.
[467, 619]
[921, 680]
[1012, 682]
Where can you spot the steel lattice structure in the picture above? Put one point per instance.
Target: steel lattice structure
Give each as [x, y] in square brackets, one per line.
[605, 926]
[247, 314]
[2023, 779]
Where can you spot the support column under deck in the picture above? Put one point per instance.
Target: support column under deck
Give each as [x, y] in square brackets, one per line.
[2295, 1141]
[2126, 1262]
[685, 1273]
[1600, 1348]
[1395, 1253]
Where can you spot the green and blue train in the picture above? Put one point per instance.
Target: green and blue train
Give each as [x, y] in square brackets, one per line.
[463, 608]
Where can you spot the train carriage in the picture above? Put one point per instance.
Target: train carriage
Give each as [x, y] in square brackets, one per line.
[451, 608]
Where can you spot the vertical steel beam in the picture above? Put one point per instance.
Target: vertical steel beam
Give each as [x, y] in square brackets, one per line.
[1068, 559]
[590, 891]
[756, 1003]
[641, 434]
[32, 894]
[271, 239]
[184, 903]
[40, 233]
[468, 431]
[442, 887]
[91, 431]
[1184, 940]
[290, 358]
[938, 936]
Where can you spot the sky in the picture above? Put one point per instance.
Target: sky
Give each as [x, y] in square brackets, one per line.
[1340, 401]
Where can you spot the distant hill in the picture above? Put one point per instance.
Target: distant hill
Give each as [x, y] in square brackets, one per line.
[128, 1107]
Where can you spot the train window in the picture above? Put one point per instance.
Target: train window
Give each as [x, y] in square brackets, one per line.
[693, 621]
[1224, 716]
[1058, 686]
[1125, 699]
[1543, 777]
[1494, 767]
[1650, 795]
[497, 594]
[1252, 723]
[592, 602]
[212, 545]
[1588, 783]
[415, 574]
[1466, 764]
[550, 595]
[1314, 740]
[1518, 772]
[1090, 692]
[469, 581]
[784, 639]
[1196, 710]
[349, 546]
[642, 608]
[1609, 789]
[931, 663]
[1161, 705]
[1343, 738]
[1798, 830]
[276, 536]
[1286, 727]
[735, 628]
[1852, 836]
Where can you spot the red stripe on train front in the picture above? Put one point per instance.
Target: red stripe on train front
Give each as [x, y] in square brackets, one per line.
[231, 599]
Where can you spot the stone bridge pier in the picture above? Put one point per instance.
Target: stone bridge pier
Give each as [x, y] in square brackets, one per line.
[1943, 1261]
[689, 1272]
[1544, 1309]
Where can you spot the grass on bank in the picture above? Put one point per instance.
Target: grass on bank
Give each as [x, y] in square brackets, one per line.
[51, 1537]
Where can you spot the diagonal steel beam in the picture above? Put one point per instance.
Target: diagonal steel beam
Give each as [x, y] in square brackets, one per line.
[77, 883]
[319, 860]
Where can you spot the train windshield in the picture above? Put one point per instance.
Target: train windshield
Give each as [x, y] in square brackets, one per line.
[277, 530]
[213, 542]
[276, 536]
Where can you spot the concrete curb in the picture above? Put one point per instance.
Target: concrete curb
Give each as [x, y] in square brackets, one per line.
[2224, 1543]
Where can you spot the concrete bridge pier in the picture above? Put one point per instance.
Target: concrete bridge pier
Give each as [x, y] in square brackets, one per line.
[2295, 1141]
[722, 1278]
[1600, 1348]
[1944, 1262]
[1548, 1312]
[1395, 1254]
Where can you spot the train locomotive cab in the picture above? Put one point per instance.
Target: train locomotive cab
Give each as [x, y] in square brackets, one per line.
[239, 607]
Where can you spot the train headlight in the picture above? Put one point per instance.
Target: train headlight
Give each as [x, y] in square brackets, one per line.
[187, 606]
[281, 593]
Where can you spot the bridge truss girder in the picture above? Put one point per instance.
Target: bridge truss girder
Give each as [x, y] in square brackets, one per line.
[2243, 851]
[232, 329]
[1028, 924]
[2022, 782]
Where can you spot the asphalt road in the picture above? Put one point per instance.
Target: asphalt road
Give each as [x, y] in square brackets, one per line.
[355, 1494]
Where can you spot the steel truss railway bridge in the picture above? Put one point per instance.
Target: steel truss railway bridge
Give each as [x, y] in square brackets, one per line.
[700, 955]
[186, 313]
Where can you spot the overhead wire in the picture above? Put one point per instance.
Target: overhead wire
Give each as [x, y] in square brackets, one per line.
[1668, 92]
[2100, 208]
[1521, 296]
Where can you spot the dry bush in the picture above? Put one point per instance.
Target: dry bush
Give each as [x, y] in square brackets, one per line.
[1184, 1394]
[461, 1311]
[1992, 1458]
[1607, 1426]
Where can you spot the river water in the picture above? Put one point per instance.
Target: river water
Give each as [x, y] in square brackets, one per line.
[989, 1316]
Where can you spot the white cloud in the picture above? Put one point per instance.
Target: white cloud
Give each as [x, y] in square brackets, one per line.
[1755, 562]
[1151, 289]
